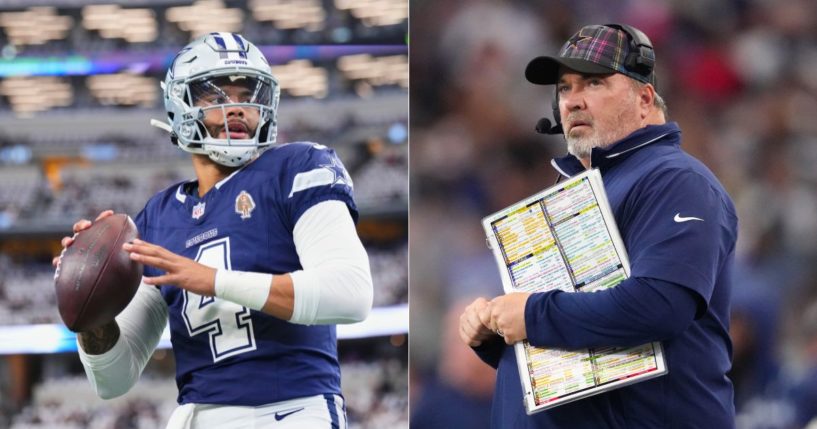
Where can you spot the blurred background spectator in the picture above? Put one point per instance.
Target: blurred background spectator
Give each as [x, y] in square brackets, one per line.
[737, 75]
[458, 395]
[79, 82]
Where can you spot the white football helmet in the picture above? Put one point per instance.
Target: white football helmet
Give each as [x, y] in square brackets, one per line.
[221, 74]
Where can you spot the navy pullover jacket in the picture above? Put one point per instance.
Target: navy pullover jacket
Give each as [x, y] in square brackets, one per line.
[679, 227]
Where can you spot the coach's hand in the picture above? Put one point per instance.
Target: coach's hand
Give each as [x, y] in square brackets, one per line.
[474, 322]
[508, 316]
[179, 271]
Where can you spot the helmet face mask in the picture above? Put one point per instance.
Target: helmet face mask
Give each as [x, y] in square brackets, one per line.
[222, 99]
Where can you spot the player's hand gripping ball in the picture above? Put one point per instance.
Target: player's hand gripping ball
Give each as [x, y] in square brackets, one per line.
[95, 279]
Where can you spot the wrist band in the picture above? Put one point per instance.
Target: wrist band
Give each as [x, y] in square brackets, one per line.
[243, 288]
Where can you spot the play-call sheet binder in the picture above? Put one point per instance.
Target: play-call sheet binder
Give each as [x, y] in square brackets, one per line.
[566, 238]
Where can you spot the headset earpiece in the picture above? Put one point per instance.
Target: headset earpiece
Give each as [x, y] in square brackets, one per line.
[641, 59]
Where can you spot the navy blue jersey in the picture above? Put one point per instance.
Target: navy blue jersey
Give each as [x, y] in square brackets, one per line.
[679, 227]
[226, 353]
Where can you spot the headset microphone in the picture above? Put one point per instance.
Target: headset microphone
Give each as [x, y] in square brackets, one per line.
[545, 126]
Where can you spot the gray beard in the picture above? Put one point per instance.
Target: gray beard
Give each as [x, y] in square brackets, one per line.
[623, 123]
[581, 147]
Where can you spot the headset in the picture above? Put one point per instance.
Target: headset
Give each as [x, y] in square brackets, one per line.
[640, 60]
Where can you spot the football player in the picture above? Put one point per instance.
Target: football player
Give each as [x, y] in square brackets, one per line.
[252, 263]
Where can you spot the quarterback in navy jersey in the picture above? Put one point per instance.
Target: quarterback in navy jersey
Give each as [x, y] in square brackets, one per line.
[252, 263]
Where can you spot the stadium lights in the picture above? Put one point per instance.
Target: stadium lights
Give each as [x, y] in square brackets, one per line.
[111, 21]
[290, 14]
[35, 26]
[302, 79]
[35, 94]
[376, 12]
[376, 71]
[205, 16]
[124, 89]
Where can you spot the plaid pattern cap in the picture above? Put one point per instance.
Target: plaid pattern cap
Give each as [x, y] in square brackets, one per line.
[595, 49]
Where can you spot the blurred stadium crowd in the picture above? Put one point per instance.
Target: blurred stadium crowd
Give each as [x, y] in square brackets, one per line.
[375, 393]
[79, 82]
[738, 75]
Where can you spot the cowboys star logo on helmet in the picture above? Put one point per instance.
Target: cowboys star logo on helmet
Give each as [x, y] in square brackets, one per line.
[196, 86]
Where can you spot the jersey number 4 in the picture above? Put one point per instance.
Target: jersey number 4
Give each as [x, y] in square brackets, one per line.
[228, 324]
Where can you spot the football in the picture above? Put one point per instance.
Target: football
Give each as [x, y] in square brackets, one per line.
[95, 279]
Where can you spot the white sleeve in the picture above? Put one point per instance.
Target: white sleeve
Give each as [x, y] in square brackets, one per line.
[335, 285]
[141, 323]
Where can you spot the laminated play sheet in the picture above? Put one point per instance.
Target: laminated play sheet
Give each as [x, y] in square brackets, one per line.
[566, 238]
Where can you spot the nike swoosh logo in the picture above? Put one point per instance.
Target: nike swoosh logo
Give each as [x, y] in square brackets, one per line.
[280, 416]
[680, 219]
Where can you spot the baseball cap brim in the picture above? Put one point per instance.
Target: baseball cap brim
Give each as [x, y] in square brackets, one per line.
[545, 70]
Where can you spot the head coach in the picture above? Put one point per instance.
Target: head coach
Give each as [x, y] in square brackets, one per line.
[678, 225]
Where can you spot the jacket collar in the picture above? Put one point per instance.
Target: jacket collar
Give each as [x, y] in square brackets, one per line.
[604, 158]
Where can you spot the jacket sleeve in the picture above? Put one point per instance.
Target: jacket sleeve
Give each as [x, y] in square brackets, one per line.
[490, 351]
[681, 230]
[637, 311]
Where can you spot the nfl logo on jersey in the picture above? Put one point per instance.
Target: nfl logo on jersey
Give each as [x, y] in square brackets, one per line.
[198, 210]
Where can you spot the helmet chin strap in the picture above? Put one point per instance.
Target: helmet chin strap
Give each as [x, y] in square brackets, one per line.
[161, 125]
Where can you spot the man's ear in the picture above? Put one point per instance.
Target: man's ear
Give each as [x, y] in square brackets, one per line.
[646, 98]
